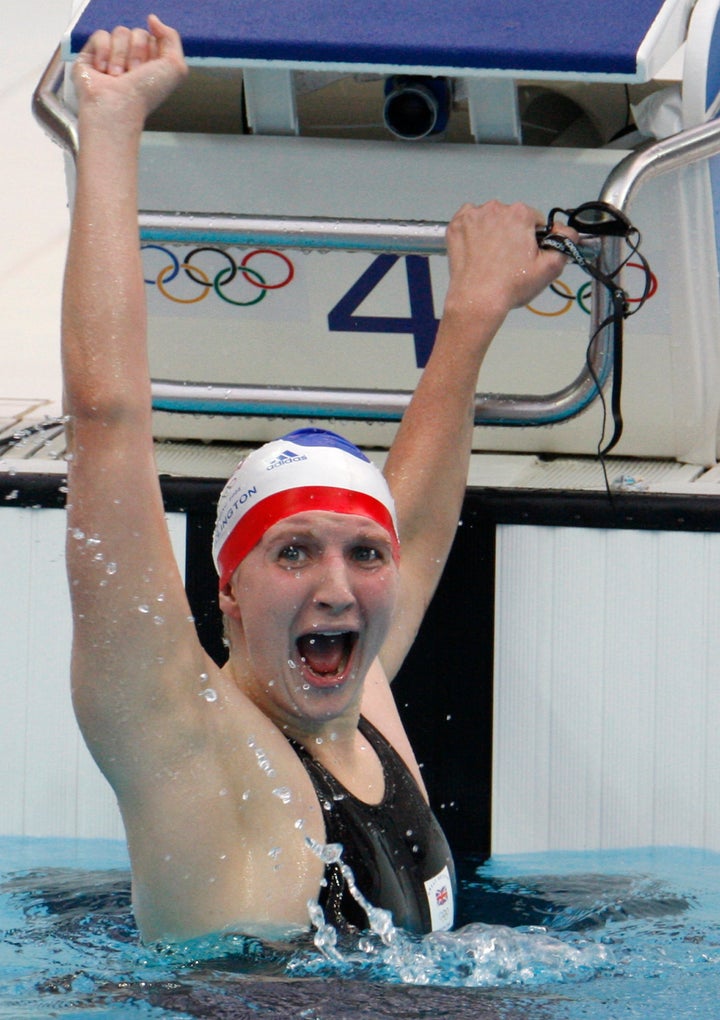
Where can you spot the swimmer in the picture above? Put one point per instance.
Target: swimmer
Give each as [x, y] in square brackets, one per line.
[231, 780]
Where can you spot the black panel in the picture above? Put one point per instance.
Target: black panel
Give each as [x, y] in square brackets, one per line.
[444, 689]
[202, 584]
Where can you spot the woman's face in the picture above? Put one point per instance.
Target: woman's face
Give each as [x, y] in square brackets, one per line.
[314, 600]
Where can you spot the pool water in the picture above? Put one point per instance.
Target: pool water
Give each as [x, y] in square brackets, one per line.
[539, 937]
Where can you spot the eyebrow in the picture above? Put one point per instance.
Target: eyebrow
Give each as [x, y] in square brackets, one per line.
[369, 530]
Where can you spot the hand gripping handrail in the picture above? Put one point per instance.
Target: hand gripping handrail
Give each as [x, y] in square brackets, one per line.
[379, 236]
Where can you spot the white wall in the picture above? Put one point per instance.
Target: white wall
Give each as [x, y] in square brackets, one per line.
[607, 694]
[50, 786]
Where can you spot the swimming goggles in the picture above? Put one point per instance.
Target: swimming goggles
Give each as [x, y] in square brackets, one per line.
[600, 219]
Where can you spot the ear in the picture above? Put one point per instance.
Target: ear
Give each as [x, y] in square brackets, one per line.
[228, 602]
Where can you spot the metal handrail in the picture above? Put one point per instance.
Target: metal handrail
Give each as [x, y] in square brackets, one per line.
[656, 158]
[379, 236]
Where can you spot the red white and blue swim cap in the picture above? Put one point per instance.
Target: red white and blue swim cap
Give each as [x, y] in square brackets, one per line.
[309, 469]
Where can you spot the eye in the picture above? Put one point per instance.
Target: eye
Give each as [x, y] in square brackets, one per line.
[368, 554]
[292, 555]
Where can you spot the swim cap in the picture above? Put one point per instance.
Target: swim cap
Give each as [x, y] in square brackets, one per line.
[308, 469]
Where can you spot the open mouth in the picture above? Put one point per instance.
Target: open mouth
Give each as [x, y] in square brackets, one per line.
[325, 655]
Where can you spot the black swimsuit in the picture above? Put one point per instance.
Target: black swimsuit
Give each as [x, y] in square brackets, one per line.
[396, 849]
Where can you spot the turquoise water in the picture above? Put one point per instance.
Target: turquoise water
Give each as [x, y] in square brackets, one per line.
[582, 935]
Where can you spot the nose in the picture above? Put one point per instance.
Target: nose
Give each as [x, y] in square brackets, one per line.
[334, 591]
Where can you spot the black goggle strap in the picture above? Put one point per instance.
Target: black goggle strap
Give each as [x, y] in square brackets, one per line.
[603, 220]
[563, 244]
[558, 242]
[616, 319]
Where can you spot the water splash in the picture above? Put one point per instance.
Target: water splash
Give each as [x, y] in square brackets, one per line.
[475, 956]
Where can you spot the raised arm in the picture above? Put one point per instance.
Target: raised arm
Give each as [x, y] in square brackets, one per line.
[119, 78]
[495, 266]
[131, 619]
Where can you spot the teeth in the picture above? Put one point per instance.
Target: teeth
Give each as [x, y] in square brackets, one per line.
[330, 634]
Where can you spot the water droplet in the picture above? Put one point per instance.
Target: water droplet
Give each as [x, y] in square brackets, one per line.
[284, 793]
[209, 694]
[330, 853]
[264, 762]
[143, 608]
[111, 568]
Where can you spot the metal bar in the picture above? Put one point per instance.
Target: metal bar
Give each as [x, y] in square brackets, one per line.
[314, 233]
[49, 109]
[505, 409]
[362, 405]
[419, 237]
[657, 158]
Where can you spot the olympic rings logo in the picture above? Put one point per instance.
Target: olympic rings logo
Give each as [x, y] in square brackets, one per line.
[581, 296]
[278, 272]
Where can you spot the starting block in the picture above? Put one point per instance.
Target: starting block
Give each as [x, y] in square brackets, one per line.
[294, 194]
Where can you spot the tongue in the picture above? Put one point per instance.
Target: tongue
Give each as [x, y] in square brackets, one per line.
[322, 652]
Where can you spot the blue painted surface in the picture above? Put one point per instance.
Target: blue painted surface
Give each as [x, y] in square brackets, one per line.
[712, 85]
[531, 35]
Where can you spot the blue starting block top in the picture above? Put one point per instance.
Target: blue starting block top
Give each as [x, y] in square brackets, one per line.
[586, 39]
